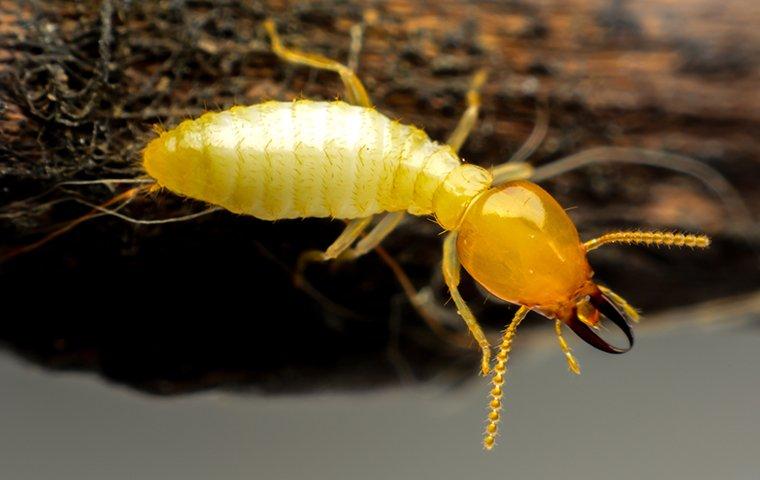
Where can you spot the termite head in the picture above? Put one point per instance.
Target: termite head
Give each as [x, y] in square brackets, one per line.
[521, 246]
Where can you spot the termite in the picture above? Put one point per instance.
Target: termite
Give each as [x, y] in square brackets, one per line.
[345, 160]
[281, 160]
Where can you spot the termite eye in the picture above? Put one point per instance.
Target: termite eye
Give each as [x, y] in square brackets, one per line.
[588, 312]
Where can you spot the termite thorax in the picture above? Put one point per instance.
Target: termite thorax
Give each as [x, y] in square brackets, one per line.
[456, 192]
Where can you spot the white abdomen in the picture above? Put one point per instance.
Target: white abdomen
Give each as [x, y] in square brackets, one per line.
[279, 160]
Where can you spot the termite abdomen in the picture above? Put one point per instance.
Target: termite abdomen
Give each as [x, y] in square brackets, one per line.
[280, 160]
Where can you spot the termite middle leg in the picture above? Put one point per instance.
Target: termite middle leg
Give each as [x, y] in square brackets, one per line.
[451, 270]
[341, 247]
[344, 241]
[355, 91]
[375, 236]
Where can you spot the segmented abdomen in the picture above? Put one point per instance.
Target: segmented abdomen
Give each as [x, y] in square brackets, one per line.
[301, 159]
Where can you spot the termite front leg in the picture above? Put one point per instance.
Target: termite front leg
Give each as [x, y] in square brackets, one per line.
[470, 116]
[355, 91]
[451, 270]
[572, 363]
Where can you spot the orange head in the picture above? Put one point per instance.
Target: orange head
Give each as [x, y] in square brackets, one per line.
[519, 243]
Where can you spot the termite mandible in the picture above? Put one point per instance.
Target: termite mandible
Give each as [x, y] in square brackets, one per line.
[346, 160]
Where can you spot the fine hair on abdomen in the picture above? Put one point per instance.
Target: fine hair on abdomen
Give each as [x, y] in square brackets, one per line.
[281, 160]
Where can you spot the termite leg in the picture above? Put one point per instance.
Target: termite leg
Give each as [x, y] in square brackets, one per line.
[374, 237]
[709, 177]
[341, 247]
[499, 372]
[451, 270]
[516, 168]
[421, 302]
[344, 241]
[372, 242]
[355, 91]
[470, 115]
[572, 363]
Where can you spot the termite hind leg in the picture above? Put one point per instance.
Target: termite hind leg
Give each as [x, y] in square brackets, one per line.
[344, 241]
[470, 115]
[499, 373]
[451, 271]
[423, 301]
[572, 363]
[355, 91]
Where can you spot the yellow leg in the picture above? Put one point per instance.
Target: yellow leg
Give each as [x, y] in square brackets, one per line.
[470, 116]
[499, 372]
[374, 237]
[451, 272]
[341, 247]
[355, 91]
[349, 235]
[572, 363]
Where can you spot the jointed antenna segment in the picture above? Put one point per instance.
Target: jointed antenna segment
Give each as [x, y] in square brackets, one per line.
[499, 372]
[649, 238]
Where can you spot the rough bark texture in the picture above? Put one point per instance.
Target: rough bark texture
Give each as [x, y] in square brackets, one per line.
[82, 84]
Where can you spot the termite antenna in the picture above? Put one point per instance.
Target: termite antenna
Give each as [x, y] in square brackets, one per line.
[499, 372]
[649, 238]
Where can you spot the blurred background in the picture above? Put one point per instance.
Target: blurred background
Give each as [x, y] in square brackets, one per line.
[184, 350]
